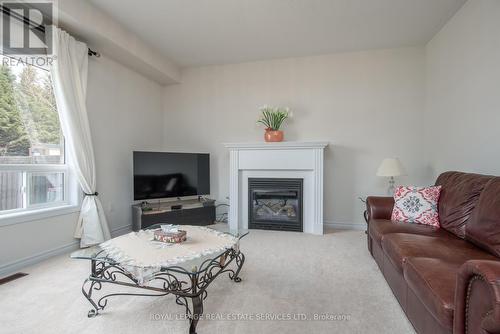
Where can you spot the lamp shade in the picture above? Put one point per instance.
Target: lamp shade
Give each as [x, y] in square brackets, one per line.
[391, 167]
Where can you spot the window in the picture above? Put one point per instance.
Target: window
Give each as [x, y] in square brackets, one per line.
[33, 170]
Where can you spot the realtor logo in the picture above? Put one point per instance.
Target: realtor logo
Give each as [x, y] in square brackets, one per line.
[26, 28]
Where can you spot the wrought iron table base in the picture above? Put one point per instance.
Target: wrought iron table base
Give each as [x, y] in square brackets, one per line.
[175, 280]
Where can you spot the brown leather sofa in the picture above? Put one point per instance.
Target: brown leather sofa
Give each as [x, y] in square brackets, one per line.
[446, 279]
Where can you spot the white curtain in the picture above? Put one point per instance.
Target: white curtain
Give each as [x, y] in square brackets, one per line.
[69, 77]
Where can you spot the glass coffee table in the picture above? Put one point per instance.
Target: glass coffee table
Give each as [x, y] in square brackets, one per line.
[186, 280]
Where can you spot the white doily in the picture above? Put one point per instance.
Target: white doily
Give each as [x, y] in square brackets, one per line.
[142, 257]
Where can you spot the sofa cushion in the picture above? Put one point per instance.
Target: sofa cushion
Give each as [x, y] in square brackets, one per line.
[400, 246]
[459, 196]
[483, 228]
[433, 281]
[380, 227]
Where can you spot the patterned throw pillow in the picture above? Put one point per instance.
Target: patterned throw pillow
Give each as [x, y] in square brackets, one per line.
[417, 205]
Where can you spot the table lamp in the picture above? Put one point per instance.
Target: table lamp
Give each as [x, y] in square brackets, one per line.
[391, 167]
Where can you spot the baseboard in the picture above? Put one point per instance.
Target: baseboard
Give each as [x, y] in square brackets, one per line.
[346, 226]
[14, 266]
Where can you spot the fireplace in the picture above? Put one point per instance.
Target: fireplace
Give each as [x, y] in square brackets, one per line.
[275, 204]
[284, 160]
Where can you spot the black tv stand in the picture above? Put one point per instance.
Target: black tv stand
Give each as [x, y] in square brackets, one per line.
[199, 212]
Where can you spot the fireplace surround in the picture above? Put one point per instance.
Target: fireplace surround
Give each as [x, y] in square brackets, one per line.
[284, 160]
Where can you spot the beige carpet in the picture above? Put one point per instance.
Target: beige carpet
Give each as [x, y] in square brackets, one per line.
[285, 274]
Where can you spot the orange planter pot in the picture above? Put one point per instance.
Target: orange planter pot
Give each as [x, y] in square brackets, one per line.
[273, 136]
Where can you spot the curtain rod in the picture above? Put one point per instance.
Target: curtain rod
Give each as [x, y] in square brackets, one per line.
[40, 28]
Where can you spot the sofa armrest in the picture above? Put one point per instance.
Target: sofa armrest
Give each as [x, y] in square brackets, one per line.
[379, 207]
[477, 298]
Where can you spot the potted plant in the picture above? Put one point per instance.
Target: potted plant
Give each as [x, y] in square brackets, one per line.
[272, 118]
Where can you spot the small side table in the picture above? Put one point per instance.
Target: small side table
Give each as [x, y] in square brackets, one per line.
[365, 213]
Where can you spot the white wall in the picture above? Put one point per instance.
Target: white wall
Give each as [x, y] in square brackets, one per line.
[369, 105]
[463, 91]
[125, 113]
[26, 243]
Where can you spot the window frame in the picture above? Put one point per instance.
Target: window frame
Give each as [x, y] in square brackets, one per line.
[40, 168]
[72, 196]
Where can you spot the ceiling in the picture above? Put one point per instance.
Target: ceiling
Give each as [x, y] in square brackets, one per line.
[204, 32]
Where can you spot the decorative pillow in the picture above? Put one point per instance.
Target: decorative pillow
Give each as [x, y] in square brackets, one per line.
[416, 205]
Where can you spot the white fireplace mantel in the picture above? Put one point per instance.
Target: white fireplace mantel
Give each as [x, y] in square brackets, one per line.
[277, 160]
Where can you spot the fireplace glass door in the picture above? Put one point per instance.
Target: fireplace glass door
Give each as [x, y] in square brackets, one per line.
[275, 204]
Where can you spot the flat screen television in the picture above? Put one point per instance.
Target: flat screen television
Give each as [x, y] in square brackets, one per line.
[170, 175]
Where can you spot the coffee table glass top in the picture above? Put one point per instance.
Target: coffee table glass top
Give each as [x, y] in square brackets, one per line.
[193, 266]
